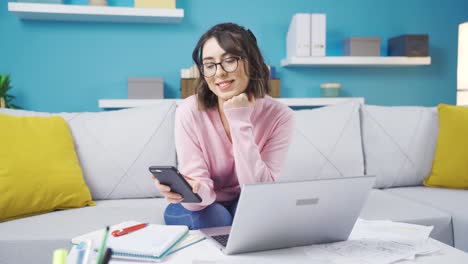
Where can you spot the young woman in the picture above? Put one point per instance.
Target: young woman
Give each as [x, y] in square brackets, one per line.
[230, 133]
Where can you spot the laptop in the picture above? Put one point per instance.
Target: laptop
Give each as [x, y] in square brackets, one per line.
[291, 214]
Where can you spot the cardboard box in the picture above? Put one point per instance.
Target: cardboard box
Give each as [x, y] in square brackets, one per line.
[155, 3]
[409, 46]
[275, 88]
[187, 87]
[145, 88]
[361, 46]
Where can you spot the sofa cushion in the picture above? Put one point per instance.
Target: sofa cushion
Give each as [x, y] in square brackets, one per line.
[33, 239]
[326, 143]
[382, 205]
[399, 143]
[115, 148]
[39, 169]
[450, 166]
[450, 201]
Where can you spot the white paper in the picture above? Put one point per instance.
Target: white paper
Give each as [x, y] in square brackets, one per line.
[377, 242]
[388, 230]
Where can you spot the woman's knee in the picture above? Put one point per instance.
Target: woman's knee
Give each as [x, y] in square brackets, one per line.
[215, 215]
[212, 216]
[176, 214]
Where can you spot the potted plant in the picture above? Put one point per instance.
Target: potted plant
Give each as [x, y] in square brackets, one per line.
[5, 98]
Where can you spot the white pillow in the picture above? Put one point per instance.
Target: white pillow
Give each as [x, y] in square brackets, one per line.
[399, 143]
[326, 143]
[115, 148]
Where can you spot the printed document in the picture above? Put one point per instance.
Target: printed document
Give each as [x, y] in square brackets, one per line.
[377, 242]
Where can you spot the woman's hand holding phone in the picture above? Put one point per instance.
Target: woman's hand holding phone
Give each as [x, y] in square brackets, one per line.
[174, 197]
[195, 185]
[165, 190]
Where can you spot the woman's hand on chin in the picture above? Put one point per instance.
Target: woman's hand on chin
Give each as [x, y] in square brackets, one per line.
[238, 101]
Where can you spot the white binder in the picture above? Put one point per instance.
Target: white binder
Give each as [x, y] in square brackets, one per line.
[298, 37]
[318, 35]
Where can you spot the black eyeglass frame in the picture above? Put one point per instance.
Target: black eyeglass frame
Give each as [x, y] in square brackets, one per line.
[237, 58]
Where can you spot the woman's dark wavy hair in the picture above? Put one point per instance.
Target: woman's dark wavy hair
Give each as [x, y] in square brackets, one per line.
[238, 41]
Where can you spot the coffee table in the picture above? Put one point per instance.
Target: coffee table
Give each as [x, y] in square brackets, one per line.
[205, 252]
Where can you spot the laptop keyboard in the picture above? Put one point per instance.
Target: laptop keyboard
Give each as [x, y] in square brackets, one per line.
[222, 239]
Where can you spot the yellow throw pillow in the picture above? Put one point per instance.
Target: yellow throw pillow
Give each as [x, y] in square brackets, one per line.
[39, 169]
[450, 166]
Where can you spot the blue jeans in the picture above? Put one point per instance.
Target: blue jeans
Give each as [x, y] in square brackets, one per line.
[213, 215]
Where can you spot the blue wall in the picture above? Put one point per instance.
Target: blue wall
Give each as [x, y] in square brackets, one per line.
[68, 66]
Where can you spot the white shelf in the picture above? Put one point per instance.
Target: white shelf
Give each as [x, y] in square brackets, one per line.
[127, 103]
[95, 13]
[319, 101]
[380, 61]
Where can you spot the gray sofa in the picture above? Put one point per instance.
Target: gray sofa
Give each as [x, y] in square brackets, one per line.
[115, 149]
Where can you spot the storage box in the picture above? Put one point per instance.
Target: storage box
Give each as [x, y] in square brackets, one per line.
[409, 45]
[187, 87]
[155, 3]
[97, 2]
[330, 89]
[145, 88]
[362, 46]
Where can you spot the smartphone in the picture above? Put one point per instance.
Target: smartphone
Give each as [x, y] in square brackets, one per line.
[170, 176]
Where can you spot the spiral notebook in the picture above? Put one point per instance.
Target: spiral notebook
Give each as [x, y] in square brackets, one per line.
[153, 242]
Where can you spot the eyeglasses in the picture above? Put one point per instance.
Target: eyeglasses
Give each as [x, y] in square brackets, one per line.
[228, 65]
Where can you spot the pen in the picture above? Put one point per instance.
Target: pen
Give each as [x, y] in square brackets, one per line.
[103, 246]
[126, 230]
[88, 250]
[107, 256]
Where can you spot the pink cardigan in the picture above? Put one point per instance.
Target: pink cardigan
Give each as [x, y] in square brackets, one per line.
[260, 140]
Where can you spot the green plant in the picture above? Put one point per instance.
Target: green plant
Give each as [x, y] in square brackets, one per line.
[5, 98]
